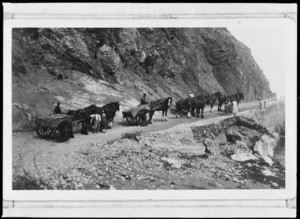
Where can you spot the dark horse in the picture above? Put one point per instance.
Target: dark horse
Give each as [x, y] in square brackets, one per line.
[237, 97]
[160, 105]
[184, 105]
[82, 116]
[214, 98]
[110, 110]
[234, 97]
[199, 103]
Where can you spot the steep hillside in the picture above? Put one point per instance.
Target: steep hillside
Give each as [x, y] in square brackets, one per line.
[83, 66]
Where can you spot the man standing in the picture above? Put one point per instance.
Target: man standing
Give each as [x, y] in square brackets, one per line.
[143, 100]
[57, 109]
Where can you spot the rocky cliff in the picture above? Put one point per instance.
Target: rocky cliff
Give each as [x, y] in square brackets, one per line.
[86, 66]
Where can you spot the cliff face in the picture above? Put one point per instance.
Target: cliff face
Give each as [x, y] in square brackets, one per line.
[83, 66]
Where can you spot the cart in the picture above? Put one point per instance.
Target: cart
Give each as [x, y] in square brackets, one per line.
[58, 126]
[139, 115]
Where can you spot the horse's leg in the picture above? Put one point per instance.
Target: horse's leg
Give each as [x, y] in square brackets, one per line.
[151, 116]
[85, 128]
[166, 115]
[189, 114]
[211, 107]
[81, 127]
[202, 109]
[162, 114]
[193, 111]
[71, 131]
[197, 112]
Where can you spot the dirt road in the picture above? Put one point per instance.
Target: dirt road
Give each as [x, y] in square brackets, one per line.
[31, 154]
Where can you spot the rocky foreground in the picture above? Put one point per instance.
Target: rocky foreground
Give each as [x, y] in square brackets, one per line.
[235, 153]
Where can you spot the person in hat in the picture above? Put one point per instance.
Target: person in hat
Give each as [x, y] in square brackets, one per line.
[143, 100]
[57, 109]
[191, 94]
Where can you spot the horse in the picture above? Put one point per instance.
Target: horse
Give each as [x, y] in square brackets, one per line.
[83, 116]
[214, 98]
[110, 111]
[222, 99]
[160, 105]
[237, 97]
[199, 103]
[184, 104]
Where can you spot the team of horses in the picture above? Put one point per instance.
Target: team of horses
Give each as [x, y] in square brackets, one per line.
[83, 115]
[192, 106]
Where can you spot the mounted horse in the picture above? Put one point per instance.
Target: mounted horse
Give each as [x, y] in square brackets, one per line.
[184, 105]
[199, 103]
[160, 105]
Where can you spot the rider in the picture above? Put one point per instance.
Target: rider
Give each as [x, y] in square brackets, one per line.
[143, 100]
[57, 109]
[191, 94]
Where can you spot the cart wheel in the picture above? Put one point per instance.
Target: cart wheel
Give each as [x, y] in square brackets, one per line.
[62, 131]
[43, 132]
[144, 116]
[132, 121]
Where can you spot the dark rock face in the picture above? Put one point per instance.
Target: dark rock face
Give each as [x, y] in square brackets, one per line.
[52, 64]
[176, 60]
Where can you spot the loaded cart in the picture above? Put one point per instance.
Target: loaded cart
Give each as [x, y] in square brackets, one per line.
[139, 115]
[58, 126]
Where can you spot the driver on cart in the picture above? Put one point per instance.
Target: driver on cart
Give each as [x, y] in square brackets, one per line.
[143, 100]
[57, 109]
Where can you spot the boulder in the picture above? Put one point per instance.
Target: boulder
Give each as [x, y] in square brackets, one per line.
[276, 136]
[268, 160]
[241, 147]
[220, 139]
[171, 162]
[109, 59]
[211, 147]
[267, 172]
[266, 145]
[243, 157]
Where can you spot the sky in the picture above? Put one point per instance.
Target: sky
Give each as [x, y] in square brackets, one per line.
[267, 45]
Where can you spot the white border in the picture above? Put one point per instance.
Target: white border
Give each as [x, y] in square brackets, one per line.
[264, 14]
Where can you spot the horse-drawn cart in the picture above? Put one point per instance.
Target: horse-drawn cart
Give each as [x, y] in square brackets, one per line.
[58, 125]
[139, 115]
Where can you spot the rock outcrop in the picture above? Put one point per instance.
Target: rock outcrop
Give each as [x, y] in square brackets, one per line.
[49, 65]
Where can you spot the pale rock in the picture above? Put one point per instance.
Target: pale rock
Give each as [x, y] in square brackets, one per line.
[267, 172]
[276, 136]
[111, 187]
[274, 184]
[268, 160]
[243, 157]
[265, 146]
[172, 162]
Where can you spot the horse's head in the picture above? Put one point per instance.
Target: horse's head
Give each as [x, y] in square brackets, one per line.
[241, 95]
[169, 101]
[118, 106]
[218, 94]
[209, 99]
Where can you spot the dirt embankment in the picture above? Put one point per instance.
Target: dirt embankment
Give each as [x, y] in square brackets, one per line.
[222, 155]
